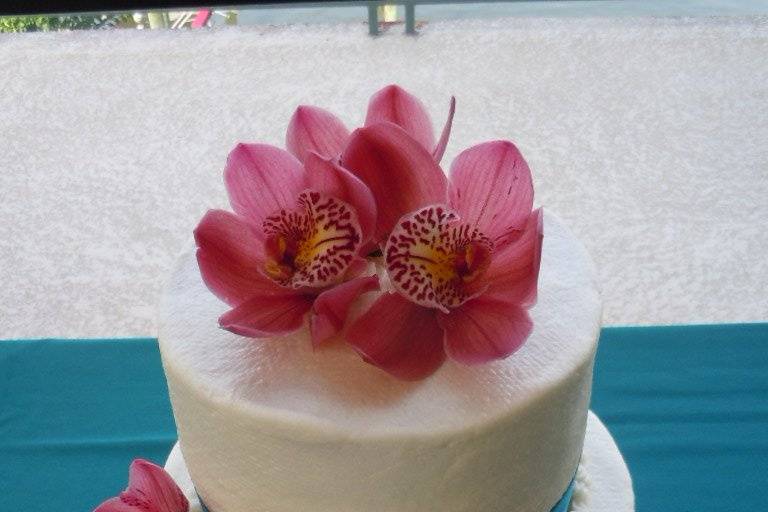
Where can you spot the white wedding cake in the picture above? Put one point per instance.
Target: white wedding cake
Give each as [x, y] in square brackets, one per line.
[369, 330]
[273, 425]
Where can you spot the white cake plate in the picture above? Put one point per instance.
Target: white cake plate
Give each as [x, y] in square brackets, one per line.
[603, 483]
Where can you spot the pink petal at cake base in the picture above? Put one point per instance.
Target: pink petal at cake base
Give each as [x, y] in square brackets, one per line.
[150, 489]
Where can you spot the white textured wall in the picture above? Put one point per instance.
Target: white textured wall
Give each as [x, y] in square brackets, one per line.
[647, 136]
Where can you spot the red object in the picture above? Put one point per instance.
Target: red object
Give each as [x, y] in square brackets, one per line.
[150, 489]
[201, 18]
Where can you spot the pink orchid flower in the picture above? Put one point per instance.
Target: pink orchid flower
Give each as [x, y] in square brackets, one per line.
[462, 256]
[315, 129]
[150, 489]
[292, 245]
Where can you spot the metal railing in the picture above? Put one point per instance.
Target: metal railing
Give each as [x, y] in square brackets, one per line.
[157, 7]
[376, 20]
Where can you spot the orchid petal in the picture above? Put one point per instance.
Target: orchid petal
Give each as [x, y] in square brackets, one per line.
[400, 173]
[117, 504]
[439, 150]
[357, 267]
[267, 315]
[327, 177]
[514, 269]
[492, 189]
[395, 105]
[229, 256]
[484, 329]
[261, 180]
[315, 129]
[150, 489]
[330, 309]
[399, 337]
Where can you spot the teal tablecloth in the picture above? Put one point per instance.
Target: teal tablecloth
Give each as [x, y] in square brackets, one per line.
[687, 405]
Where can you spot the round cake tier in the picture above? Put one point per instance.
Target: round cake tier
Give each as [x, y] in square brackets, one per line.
[270, 424]
[603, 483]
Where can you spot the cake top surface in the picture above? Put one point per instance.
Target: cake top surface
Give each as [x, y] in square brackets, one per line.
[331, 387]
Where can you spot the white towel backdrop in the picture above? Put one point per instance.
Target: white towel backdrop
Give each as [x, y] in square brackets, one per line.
[648, 136]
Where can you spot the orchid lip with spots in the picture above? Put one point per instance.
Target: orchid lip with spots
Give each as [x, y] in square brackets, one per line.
[460, 257]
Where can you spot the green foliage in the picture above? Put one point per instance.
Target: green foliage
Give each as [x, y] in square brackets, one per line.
[24, 23]
[73, 22]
